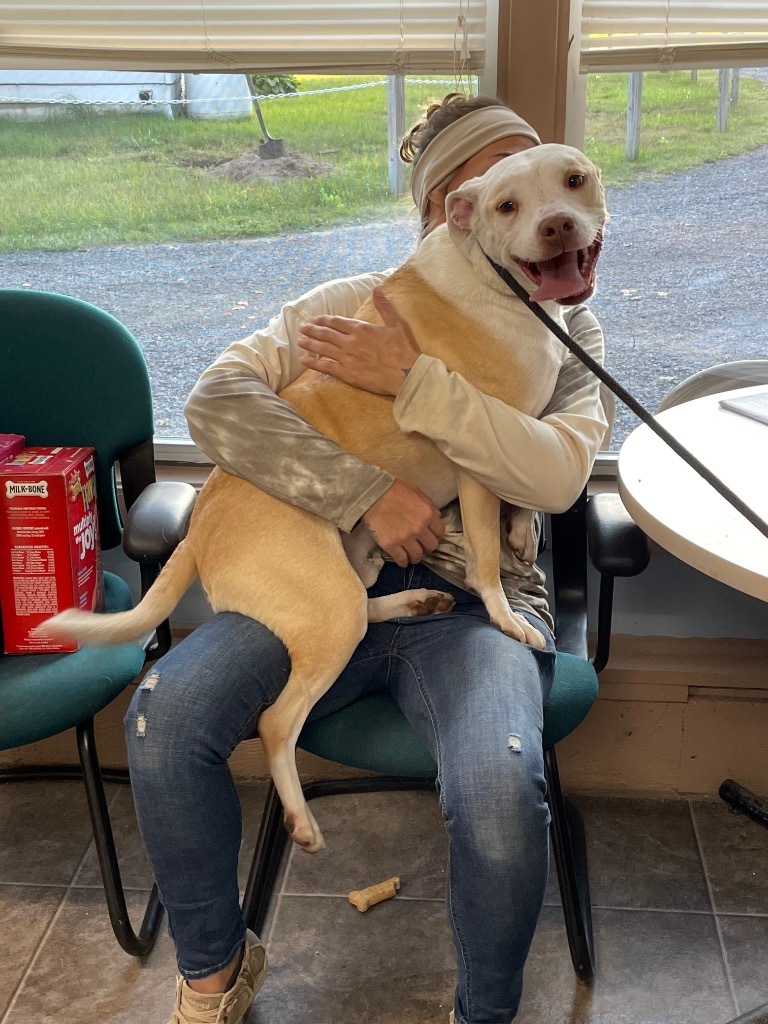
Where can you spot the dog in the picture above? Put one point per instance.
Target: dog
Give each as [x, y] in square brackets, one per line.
[540, 214]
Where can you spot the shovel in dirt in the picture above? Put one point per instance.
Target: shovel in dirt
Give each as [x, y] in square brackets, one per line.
[269, 148]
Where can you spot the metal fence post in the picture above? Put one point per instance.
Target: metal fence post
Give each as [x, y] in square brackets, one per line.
[634, 109]
[722, 99]
[395, 132]
[735, 76]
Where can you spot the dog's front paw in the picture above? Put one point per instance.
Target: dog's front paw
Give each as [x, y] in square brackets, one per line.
[519, 628]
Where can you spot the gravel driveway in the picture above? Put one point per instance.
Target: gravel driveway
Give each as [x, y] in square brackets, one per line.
[683, 283]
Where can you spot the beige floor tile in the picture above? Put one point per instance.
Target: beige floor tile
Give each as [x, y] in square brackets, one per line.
[643, 854]
[735, 854]
[25, 913]
[82, 976]
[331, 964]
[746, 946]
[45, 831]
[652, 968]
[395, 965]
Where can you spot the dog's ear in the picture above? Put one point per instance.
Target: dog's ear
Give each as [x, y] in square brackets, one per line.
[459, 208]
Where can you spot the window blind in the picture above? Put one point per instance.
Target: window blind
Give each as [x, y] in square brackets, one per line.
[303, 36]
[645, 35]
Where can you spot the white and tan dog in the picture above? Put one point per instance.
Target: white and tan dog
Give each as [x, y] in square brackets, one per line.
[540, 214]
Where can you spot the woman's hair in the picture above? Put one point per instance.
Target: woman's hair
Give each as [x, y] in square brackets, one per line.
[440, 116]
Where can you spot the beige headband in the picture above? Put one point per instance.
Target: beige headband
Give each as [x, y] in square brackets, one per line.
[457, 143]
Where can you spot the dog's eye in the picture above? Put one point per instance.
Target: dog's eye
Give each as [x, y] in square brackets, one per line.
[508, 206]
[576, 181]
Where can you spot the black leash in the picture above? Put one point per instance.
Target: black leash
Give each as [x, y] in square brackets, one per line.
[639, 410]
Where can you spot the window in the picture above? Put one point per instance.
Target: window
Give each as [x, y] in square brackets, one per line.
[179, 226]
[677, 116]
[175, 201]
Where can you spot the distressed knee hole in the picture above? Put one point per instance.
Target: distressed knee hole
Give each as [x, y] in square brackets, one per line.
[146, 687]
[514, 743]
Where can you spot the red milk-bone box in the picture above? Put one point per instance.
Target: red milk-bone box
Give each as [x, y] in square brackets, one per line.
[9, 445]
[50, 556]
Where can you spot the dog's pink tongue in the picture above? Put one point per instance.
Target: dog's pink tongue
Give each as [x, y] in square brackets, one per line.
[560, 278]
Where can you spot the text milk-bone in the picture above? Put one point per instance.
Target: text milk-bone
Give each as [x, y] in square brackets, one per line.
[50, 556]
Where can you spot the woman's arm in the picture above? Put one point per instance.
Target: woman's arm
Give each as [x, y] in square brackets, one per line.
[535, 463]
[541, 463]
[237, 419]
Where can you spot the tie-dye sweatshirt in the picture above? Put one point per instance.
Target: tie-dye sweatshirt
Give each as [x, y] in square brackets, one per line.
[237, 419]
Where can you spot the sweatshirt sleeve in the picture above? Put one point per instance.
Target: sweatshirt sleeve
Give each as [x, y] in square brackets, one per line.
[541, 464]
[236, 417]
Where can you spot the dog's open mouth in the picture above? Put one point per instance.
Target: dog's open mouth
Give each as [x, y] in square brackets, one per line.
[568, 278]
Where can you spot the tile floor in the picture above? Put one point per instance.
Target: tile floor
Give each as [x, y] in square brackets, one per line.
[680, 891]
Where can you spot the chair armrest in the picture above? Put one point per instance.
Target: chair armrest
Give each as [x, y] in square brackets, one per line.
[617, 545]
[158, 521]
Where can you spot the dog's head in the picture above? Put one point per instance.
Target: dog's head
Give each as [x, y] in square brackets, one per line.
[539, 213]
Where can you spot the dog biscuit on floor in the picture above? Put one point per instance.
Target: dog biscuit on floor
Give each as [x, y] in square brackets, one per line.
[365, 898]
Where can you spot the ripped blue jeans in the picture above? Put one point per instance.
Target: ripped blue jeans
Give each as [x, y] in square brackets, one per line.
[474, 696]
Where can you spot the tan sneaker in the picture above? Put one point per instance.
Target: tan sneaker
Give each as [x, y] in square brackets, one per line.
[232, 1006]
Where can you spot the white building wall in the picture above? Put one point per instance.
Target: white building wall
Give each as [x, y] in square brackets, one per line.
[28, 95]
[217, 97]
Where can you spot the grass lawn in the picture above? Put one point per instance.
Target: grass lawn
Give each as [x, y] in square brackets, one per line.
[89, 180]
[679, 123]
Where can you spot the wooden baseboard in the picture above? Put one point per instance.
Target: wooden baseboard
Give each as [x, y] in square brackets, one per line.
[674, 716]
[709, 662]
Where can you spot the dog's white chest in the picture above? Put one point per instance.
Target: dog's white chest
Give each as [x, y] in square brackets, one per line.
[488, 335]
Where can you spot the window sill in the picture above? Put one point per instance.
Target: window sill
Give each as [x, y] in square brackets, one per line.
[179, 458]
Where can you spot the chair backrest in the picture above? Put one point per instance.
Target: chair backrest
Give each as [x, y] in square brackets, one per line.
[71, 374]
[567, 541]
[741, 373]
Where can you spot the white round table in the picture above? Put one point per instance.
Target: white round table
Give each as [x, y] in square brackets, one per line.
[680, 511]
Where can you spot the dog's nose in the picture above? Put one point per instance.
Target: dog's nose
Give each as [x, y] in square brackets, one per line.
[559, 225]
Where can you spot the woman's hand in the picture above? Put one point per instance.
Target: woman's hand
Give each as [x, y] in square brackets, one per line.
[405, 523]
[367, 356]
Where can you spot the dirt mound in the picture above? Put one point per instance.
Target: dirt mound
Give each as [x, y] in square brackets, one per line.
[251, 167]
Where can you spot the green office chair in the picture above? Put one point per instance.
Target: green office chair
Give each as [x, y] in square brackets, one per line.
[373, 734]
[740, 373]
[73, 375]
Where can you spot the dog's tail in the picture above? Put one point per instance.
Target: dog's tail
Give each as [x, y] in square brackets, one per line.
[89, 628]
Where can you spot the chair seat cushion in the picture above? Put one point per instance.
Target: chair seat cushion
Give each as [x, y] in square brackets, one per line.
[372, 733]
[44, 694]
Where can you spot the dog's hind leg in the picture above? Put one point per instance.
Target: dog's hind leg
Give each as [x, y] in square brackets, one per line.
[480, 513]
[363, 553]
[316, 663]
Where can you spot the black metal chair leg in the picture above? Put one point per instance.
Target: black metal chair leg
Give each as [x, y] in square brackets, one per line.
[570, 852]
[270, 847]
[135, 945]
